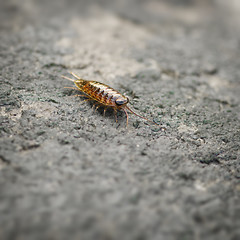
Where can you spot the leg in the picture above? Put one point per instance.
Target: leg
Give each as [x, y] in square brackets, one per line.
[98, 106]
[126, 115]
[85, 100]
[115, 114]
[93, 106]
[78, 95]
[104, 111]
[72, 88]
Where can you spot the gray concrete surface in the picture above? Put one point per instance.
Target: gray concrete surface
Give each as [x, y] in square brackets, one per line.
[67, 172]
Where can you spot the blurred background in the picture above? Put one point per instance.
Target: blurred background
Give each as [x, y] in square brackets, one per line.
[67, 172]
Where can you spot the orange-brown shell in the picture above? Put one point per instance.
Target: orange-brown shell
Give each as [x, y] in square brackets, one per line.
[102, 93]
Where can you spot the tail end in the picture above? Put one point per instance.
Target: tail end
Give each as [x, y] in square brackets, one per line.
[75, 75]
[72, 80]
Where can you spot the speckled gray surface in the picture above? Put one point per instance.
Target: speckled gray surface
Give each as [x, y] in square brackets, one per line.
[67, 172]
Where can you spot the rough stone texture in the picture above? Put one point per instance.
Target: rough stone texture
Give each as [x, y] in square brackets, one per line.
[67, 172]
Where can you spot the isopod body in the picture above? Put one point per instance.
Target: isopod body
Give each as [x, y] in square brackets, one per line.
[104, 96]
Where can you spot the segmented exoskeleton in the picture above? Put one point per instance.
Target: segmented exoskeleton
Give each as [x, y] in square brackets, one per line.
[104, 96]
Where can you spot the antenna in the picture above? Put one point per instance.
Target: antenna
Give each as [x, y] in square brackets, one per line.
[140, 116]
